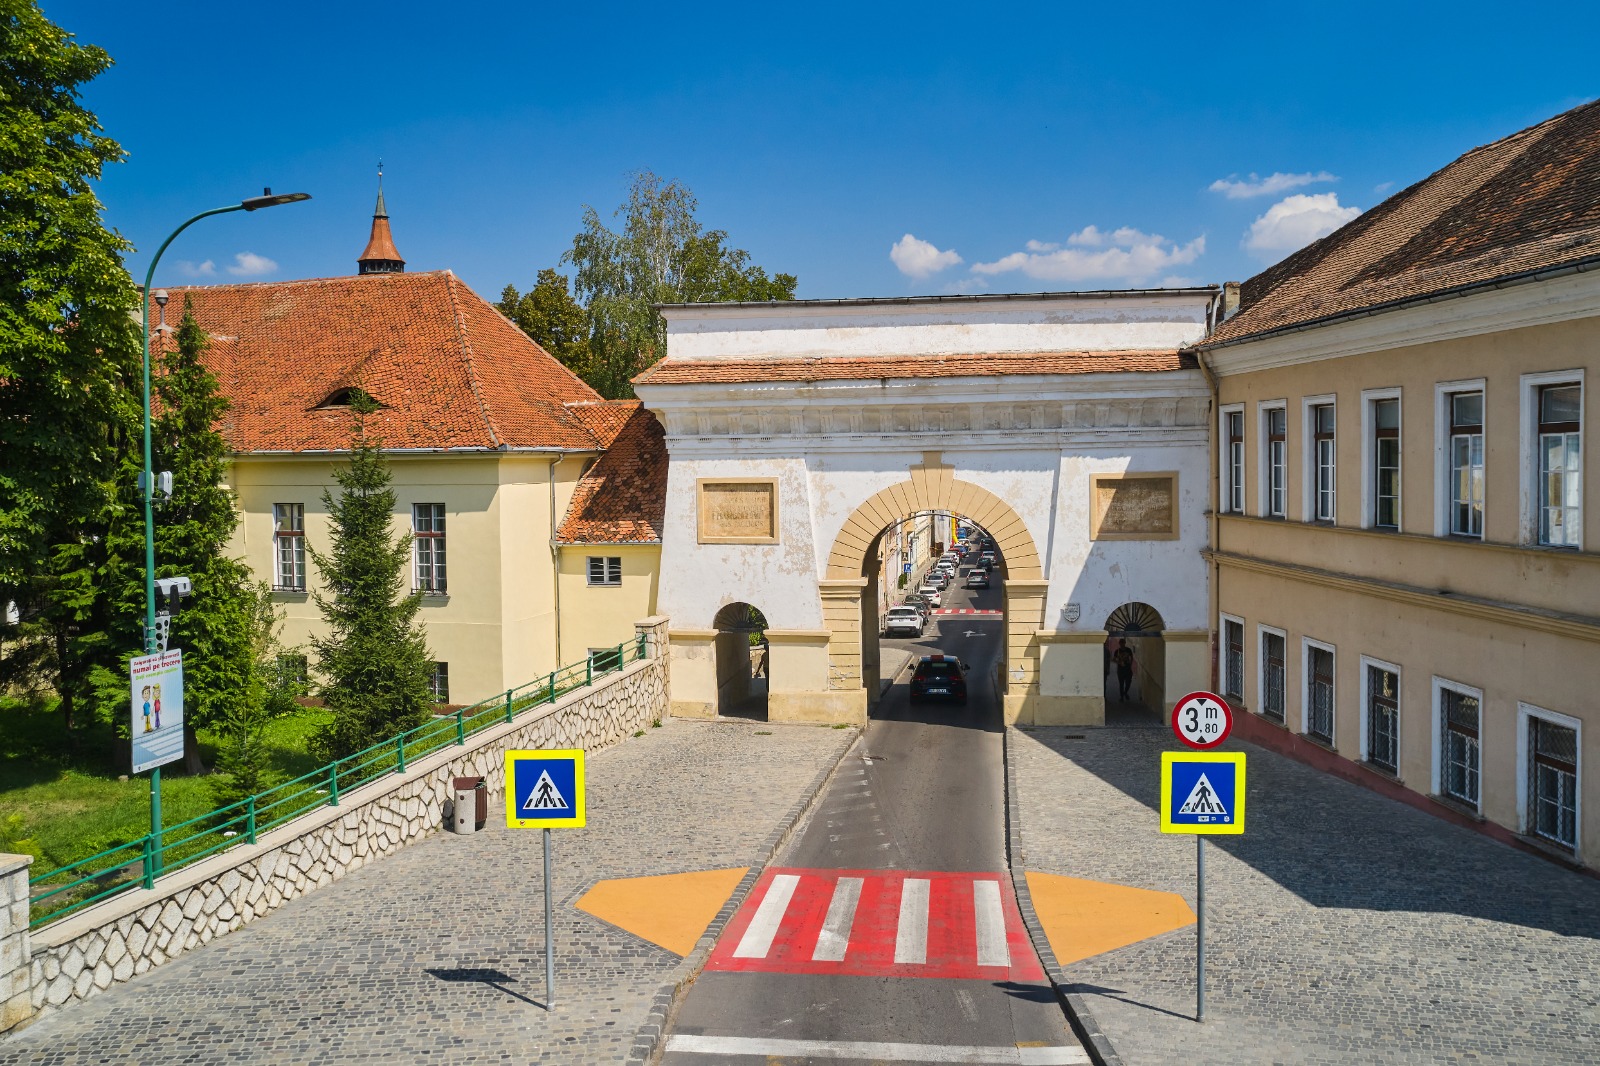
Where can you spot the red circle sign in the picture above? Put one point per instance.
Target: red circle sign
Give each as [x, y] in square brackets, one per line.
[1202, 719]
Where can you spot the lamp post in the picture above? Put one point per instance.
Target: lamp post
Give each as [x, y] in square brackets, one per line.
[254, 203]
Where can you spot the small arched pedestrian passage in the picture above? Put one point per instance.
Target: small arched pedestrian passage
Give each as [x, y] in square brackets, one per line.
[1135, 661]
[743, 671]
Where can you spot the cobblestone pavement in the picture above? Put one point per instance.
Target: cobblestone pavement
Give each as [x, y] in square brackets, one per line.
[1342, 927]
[436, 954]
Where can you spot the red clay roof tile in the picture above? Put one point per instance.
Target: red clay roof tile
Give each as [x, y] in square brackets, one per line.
[836, 368]
[622, 499]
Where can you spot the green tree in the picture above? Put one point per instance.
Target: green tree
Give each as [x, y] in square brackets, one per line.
[374, 660]
[270, 693]
[558, 323]
[659, 254]
[69, 359]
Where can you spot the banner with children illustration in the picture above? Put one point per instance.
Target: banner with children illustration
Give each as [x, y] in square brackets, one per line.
[157, 706]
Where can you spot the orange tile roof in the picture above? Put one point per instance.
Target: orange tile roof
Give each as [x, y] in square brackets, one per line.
[838, 368]
[449, 369]
[622, 499]
[380, 245]
[1527, 203]
[603, 418]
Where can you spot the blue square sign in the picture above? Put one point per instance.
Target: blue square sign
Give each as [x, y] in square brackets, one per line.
[1202, 792]
[544, 789]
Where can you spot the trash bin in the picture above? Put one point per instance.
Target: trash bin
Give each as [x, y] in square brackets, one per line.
[471, 804]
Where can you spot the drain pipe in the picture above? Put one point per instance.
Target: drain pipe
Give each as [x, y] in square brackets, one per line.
[1215, 315]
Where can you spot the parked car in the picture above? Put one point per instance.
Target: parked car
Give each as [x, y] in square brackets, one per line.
[919, 602]
[978, 579]
[939, 676]
[931, 594]
[904, 621]
[987, 557]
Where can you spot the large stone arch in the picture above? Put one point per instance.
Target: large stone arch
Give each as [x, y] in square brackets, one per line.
[847, 600]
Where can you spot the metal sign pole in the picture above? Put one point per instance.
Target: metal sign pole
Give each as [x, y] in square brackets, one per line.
[549, 934]
[1200, 928]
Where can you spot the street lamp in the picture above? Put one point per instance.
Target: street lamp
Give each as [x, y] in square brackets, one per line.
[254, 203]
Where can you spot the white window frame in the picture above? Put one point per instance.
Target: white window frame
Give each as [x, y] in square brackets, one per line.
[1264, 411]
[1528, 449]
[1369, 457]
[1442, 391]
[1306, 644]
[1222, 655]
[1525, 712]
[1436, 782]
[1261, 670]
[1366, 706]
[1225, 482]
[608, 581]
[298, 560]
[437, 547]
[1308, 462]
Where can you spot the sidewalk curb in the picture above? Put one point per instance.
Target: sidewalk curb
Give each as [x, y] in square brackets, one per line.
[1095, 1041]
[647, 1038]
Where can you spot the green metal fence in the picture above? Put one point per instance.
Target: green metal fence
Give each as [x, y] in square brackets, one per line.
[138, 863]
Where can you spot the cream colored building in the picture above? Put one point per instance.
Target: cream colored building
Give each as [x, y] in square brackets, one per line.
[1404, 558]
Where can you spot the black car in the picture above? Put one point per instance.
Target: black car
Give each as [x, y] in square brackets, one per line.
[939, 677]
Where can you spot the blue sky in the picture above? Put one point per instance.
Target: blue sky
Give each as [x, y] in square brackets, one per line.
[1062, 146]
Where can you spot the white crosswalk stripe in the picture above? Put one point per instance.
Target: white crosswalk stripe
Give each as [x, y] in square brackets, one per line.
[757, 939]
[911, 934]
[835, 936]
[991, 922]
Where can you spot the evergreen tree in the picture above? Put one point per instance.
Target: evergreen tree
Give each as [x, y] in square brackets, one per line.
[374, 660]
[69, 360]
[557, 323]
[270, 693]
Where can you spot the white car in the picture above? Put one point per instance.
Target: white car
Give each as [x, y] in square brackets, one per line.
[903, 621]
[931, 594]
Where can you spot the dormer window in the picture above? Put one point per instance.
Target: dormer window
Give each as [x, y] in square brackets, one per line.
[345, 398]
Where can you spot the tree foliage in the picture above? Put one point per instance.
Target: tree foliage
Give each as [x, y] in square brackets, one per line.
[374, 660]
[548, 313]
[270, 693]
[69, 357]
[659, 253]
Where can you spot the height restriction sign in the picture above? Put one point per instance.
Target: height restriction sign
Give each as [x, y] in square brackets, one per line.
[1202, 719]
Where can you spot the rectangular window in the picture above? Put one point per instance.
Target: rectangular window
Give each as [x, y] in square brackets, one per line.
[289, 547]
[1383, 718]
[1234, 499]
[1272, 675]
[427, 528]
[1319, 693]
[293, 674]
[1458, 754]
[1553, 782]
[1277, 462]
[605, 570]
[1322, 449]
[604, 659]
[1466, 464]
[1386, 464]
[439, 682]
[1233, 659]
[1561, 466]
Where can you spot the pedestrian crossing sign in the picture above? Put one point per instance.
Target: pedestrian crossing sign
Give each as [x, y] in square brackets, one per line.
[1202, 792]
[544, 789]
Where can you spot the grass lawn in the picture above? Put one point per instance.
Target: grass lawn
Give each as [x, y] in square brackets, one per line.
[65, 803]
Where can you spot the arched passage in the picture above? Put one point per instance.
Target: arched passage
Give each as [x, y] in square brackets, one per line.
[1136, 660]
[849, 603]
[743, 675]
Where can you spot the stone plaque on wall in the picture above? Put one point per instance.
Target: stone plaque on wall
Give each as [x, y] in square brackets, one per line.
[739, 512]
[1141, 506]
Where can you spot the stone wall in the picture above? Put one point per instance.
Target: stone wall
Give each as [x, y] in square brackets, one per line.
[128, 934]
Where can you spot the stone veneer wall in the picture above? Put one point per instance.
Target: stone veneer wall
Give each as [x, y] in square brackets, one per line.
[128, 934]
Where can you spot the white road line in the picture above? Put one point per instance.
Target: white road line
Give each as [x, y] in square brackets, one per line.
[877, 1052]
[835, 936]
[757, 939]
[991, 922]
[911, 935]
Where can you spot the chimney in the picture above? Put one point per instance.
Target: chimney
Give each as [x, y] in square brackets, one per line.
[1230, 299]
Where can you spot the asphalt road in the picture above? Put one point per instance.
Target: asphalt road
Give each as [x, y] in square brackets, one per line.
[930, 799]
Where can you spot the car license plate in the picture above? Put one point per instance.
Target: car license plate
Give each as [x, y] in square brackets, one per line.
[938, 692]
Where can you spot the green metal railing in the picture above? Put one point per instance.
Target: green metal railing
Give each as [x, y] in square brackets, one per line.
[138, 863]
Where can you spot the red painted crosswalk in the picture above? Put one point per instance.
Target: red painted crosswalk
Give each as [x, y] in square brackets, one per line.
[967, 611]
[886, 923]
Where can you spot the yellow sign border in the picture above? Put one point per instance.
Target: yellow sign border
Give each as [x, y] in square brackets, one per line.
[580, 811]
[1233, 828]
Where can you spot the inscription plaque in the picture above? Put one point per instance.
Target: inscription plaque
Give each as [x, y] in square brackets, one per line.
[1133, 506]
[739, 512]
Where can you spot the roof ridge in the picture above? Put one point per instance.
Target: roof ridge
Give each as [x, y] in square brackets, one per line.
[466, 353]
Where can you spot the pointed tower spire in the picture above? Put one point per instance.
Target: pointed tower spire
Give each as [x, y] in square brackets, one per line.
[380, 256]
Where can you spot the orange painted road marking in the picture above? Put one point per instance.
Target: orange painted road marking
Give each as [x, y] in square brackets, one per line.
[1085, 918]
[670, 910]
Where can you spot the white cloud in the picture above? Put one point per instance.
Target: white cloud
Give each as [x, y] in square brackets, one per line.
[251, 265]
[1271, 185]
[919, 259]
[1382, 187]
[208, 269]
[1093, 254]
[1296, 221]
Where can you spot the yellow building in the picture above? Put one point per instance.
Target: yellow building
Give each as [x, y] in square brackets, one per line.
[1405, 571]
[487, 437]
